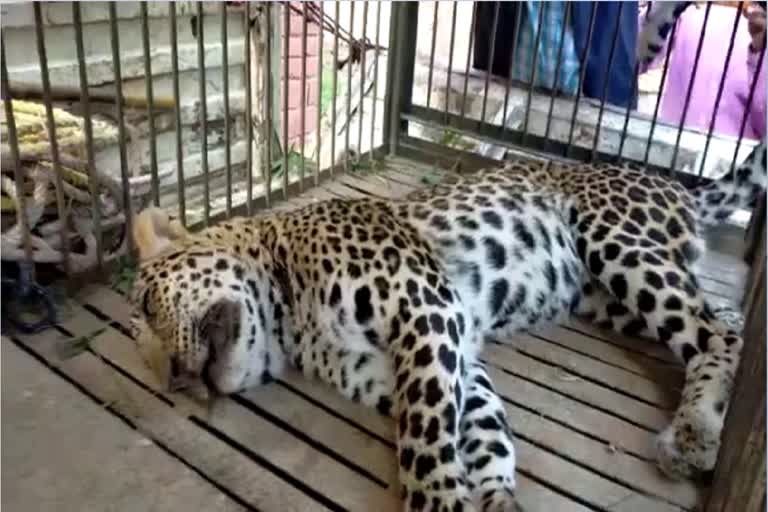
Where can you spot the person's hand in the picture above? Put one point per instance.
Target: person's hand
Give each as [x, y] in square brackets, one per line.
[756, 26]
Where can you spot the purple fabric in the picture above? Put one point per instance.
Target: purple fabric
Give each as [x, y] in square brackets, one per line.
[741, 71]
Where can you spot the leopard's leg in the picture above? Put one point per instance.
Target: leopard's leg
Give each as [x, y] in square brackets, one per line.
[366, 377]
[486, 444]
[602, 309]
[664, 296]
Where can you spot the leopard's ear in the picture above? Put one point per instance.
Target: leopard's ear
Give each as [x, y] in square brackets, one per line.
[154, 231]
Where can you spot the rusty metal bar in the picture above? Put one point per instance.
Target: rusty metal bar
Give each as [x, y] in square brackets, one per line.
[248, 110]
[745, 116]
[450, 61]
[519, 8]
[18, 172]
[362, 81]
[303, 108]
[469, 60]
[431, 55]
[88, 129]
[689, 93]
[582, 71]
[318, 145]
[150, 103]
[375, 79]
[286, 81]
[721, 86]
[349, 83]
[203, 116]
[609, 67]
[177, 113]
[54, 143]
[227, 121]
[269, 128]
[492, 45]
[553, 92]
[655, 117]
[335, 88]
[534, 64]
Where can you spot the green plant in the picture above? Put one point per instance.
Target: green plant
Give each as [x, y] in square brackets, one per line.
[76, 345]
[453, 139]
[126, 274]
[326, 90]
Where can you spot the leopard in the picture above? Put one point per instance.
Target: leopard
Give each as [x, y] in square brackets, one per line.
[387, 301]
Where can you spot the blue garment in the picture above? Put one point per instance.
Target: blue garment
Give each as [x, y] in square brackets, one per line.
[621, 90]
[553, 18]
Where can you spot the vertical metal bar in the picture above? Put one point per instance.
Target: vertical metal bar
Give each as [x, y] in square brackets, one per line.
[534, 65]
[349, 81]
[519, 7]
[318, 145]
[286, 82]
[54, 143]
[658, 97]
[177, 112]
[745, 116]
[360, 114]
[469, 60]
[566, 21]
[400, 70]
[607, 76]
[203, 116]
[150, 103]
[18, 172]
[450, 62]
[432, 54]
[582, 71]
[335, 87]
[248, 109]
[225, 86]
[721, 86]
[375, 79]
[492, 46]
[269, 127]
[690, 87]
[302, 113]
[88, 129]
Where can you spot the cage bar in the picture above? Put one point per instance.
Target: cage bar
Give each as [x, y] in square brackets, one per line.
[609, 67]
[227, 121]
[534, 65]
[720, 87]
[248, 110]
[349, 83]
[750, 97]
[150, 103]
[582, 72]
[318, 126]
[469, 60]
[432, 54]
[360, 109]
[450, 61]
[492, 46]
[335, 87]
[176, 112]
[54, 143]
[302, 112]
[553, 92]
[656, 107]
[18, 172]
[85, 103]
[375, 80]
[518, 9]
[203, 116]
[689, 92]
[286, 80]
[269, 127]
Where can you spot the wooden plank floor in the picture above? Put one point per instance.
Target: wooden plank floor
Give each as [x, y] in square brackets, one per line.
[584, 405]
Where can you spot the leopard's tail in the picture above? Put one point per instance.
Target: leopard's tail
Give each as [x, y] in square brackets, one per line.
[739, 189]
[656, 29]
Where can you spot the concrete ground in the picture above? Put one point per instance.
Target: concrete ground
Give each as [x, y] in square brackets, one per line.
[62, 451]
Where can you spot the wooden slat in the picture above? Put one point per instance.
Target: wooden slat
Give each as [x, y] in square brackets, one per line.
[297, 458]
[581, 366]
[648, 348]
[597, 396]
[669, 375]
[158, 421]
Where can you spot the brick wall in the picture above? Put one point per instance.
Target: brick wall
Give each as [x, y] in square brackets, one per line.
[294, 77]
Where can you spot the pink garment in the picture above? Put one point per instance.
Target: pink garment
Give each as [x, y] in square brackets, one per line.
[740, 73]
